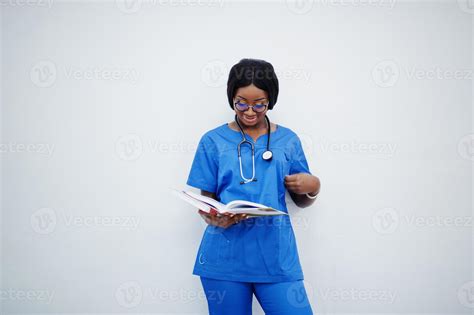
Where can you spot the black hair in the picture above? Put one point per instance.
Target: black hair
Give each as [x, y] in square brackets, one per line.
[253, 71]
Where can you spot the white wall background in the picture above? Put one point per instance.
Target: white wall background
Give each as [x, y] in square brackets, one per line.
[103, 104]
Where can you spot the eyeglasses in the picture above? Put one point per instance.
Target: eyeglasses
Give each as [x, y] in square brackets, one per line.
[243, 107]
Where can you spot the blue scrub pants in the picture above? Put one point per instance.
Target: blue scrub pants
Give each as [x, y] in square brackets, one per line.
[276, 298]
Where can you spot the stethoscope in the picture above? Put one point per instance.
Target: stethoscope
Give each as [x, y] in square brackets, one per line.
[267, 155]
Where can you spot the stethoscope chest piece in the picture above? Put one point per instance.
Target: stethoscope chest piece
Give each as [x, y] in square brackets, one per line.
[267, 155]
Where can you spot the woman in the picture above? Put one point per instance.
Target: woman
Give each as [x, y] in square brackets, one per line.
[240, 256]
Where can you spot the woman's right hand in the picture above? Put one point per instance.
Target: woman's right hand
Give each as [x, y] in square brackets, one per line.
[223, 220]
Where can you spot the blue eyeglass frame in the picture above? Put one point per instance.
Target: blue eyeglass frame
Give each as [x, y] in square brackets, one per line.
[251, 106]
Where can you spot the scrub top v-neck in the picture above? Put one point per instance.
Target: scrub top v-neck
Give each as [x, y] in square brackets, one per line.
[261, 249]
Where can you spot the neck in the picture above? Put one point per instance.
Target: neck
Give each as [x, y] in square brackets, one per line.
[261, 126]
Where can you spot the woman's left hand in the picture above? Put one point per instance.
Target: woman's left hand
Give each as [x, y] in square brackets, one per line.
[301, 183]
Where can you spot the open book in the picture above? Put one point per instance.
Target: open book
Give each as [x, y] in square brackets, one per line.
[213, 206]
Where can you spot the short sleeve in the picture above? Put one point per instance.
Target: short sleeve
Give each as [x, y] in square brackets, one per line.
[203, 173]
[298, 158]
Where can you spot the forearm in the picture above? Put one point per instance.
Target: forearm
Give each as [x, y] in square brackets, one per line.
[312, 187]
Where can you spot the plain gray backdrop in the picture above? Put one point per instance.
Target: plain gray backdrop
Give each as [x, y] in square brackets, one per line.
[104, 102]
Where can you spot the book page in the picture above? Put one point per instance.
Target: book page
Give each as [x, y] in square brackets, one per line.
[258, 211]
[196, 203]
[244, 204]
[207, 200]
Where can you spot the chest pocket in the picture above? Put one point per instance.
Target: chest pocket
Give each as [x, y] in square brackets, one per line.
[282, 160]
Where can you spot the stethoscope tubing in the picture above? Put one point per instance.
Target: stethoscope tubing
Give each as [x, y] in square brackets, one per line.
[252, 146]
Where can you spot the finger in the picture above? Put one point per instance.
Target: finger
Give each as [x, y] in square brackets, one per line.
[292, 185]
[291, 178]
[203, 216]
[214, 212]
[242, 216]
[215, 221]
[207, 214]
[294, 189]
[226, 223]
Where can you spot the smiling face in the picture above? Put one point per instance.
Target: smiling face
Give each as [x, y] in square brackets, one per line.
[251, 95]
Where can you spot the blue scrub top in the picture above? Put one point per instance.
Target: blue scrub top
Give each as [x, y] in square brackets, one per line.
[259, 249]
